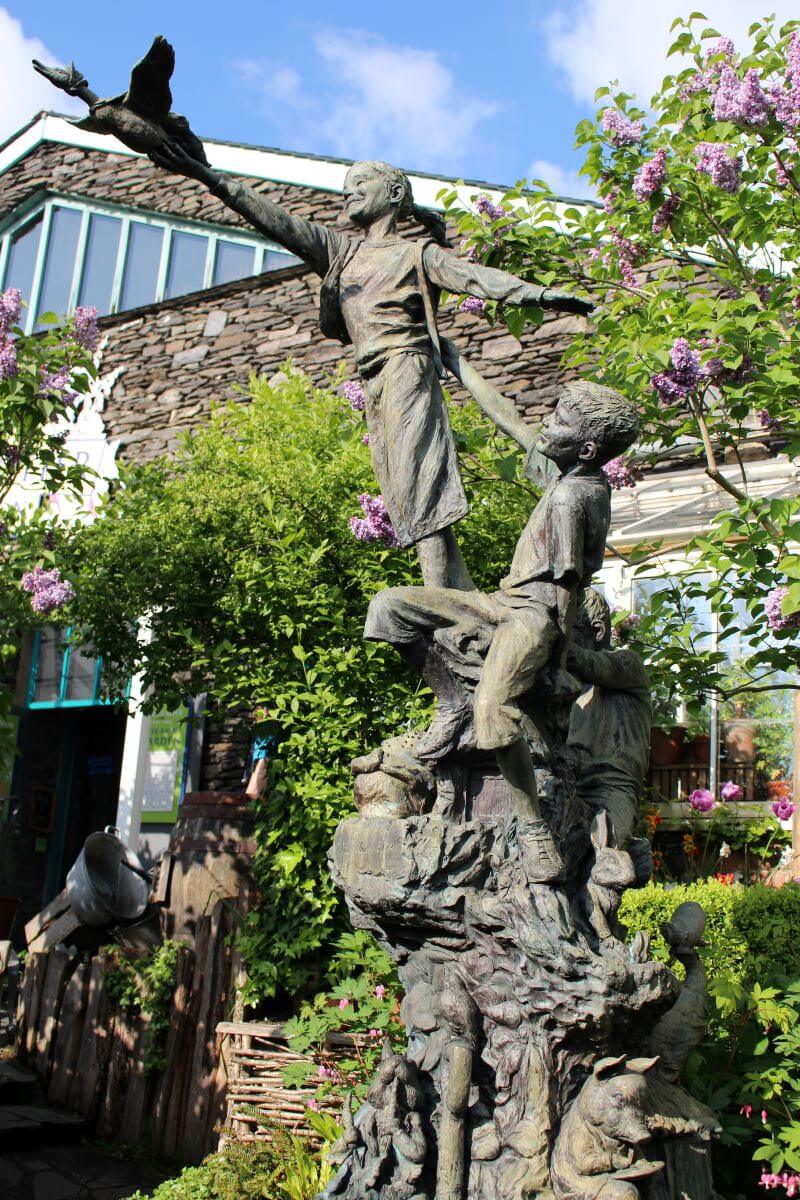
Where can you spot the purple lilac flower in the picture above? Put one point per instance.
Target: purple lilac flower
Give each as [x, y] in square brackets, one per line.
[620, 129]
[366, 439]
[662, 218]
[58, 382]
[10, 308]
[741, 101]
[376, 524]
[768, 422]
[85, 327]
[701, 800]
[354, 395]
[649, 178]
[730, 791]
[49, 540]
[775, 617]
[787, 103]
[472, 304]
[784, 809]
[48, 590]
[627, 255]
[684, 375]
[484, 206]
[12, 455]
[470, 251]
[619, 474]
[610, 200]
[8, 359]
[724, 169]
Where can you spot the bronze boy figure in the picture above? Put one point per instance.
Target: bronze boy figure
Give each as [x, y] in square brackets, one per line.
[528, 620]
[380, 293]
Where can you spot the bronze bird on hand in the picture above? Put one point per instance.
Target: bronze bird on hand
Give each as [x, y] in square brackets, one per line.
[140, 117]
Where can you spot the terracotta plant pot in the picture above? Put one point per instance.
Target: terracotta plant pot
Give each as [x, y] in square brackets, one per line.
[665, 745]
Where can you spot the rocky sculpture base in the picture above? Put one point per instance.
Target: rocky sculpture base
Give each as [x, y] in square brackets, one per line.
[544, 1054]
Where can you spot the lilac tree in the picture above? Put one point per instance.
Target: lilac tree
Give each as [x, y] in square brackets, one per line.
[40, 379]
[691, 254]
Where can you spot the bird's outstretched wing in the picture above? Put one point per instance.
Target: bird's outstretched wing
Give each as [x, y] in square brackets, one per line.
[149, 94]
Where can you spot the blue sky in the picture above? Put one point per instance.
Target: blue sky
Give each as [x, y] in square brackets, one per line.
[489, 90]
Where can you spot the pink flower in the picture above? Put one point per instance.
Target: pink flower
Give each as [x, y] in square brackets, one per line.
[85, 326]
[784, 809]
[620, 129]
[731, 791]
[763, 1116]
[619, 474]
[746, 1110]
[354, 394]
[773, 608]
[48, 590]
[374, 1033]
[714, 159]
[323, 1072]
[472, 304]
[313, 1105]
[649, 178]
[10, 308]
[380, 991]
[376, 524]
[701, 800]
[366, 439]
[343, 1003]
[8, 360]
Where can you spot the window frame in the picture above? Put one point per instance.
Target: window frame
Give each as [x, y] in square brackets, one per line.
[62, 700]
[45, 203]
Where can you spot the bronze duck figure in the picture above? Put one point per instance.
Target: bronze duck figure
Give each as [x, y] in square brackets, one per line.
[139, 117]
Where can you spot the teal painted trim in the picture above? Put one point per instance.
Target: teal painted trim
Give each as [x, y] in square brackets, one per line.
[54, 704]
[55, 851]
[33, 674]
[65, 661]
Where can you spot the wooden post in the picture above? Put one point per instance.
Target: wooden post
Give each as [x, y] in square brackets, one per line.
[55, 981]
[69, 1035]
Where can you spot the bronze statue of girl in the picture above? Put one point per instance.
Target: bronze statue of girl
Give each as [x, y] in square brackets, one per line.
[379, 293]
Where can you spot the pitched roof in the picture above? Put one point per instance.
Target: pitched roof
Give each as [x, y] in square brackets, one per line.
[260, 162]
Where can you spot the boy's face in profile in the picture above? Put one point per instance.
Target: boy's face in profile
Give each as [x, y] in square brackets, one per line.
[562, 437]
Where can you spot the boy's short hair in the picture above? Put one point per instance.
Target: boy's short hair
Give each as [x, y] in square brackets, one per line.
[593, 618]
[608, 418]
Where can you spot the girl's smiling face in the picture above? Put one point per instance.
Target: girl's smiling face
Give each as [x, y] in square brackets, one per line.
[368, 195]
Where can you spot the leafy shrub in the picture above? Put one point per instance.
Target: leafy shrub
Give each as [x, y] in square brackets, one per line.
[363, 1000]
[146, 985]
[240, 555]
[751, 932]
[748, 1065]
[284, 1168]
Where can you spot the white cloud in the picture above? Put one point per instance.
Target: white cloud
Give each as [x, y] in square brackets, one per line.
[595, 41]
[22, 92]
[281, 83]
[371, 99]
[397, 102]
[563, 180]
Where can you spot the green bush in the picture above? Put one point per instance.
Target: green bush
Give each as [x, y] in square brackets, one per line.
[240, 555]
[752, 931]
[285, 1168]
[747, 1067]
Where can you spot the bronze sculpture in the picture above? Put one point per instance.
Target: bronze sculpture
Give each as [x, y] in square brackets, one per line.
[491, 850]
[379, 292]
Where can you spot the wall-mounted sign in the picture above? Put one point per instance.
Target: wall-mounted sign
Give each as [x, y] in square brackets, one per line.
[163, 782]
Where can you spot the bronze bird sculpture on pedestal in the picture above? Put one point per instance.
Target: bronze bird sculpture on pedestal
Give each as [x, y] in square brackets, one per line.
[139, 117]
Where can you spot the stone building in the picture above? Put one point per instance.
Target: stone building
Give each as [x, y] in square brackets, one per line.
[192, 300]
